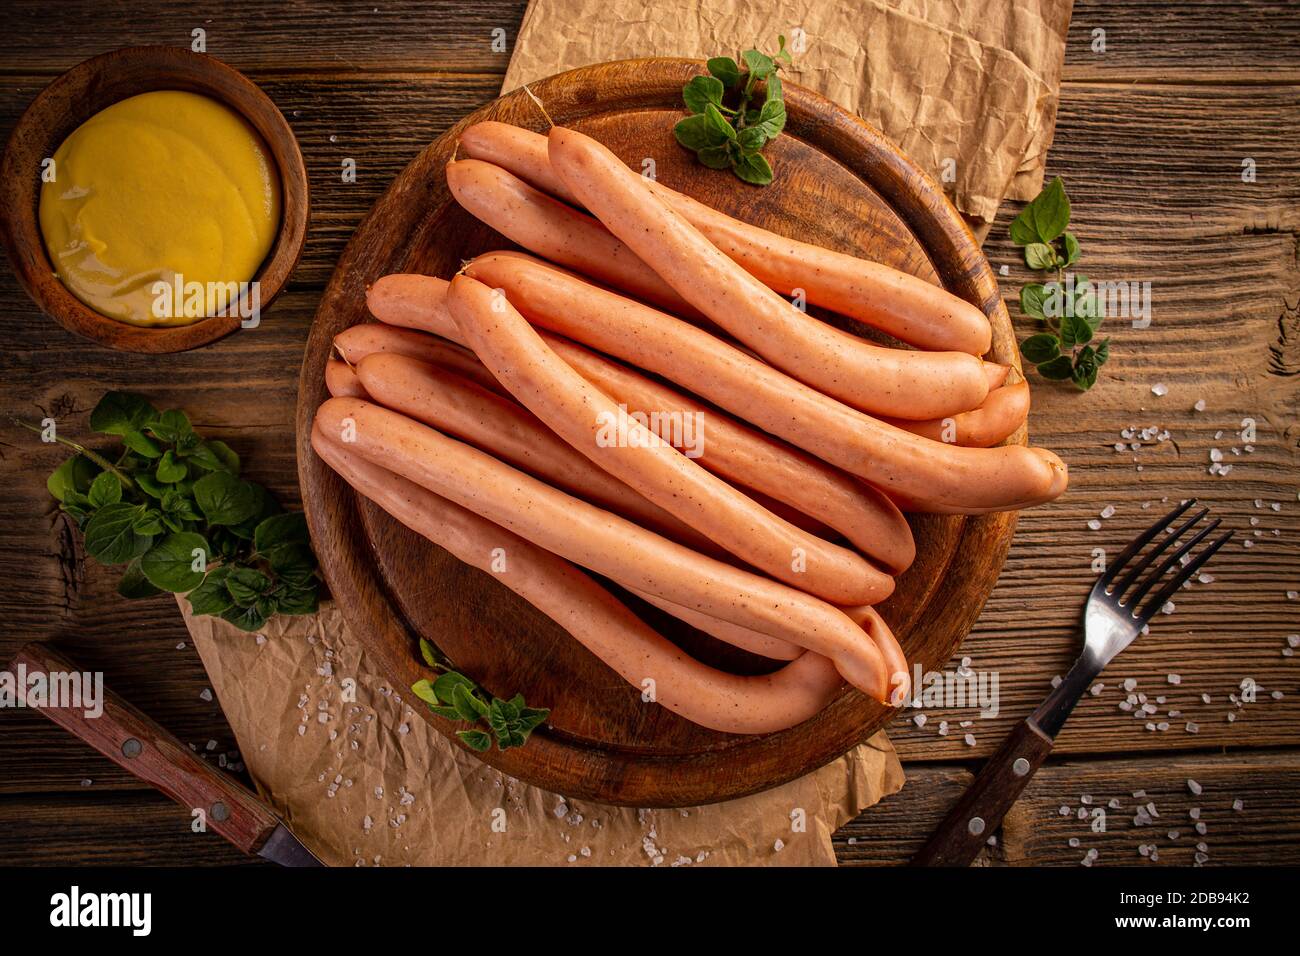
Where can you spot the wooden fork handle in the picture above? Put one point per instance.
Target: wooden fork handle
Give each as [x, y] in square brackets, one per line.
[979, 812]
[142, 748]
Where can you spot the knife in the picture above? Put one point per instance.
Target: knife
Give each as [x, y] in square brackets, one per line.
[142, 748]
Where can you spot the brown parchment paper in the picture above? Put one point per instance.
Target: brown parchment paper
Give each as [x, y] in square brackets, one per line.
[967, 89]
[363, 780]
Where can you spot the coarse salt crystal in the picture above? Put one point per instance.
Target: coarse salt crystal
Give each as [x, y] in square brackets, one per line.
[1159, 389]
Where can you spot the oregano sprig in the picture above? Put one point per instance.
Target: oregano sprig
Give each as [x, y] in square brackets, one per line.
[454, 696]
[173, 509]
[1067, 304]
[728, 126]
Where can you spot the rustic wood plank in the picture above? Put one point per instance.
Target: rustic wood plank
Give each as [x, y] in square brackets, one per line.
[1264, 832]
[135, 829]
[326, 35]
[1193, 41]
[1197, 41]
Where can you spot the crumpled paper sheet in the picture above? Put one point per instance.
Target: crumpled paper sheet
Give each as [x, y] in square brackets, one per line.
[363, 780]
[968, 89]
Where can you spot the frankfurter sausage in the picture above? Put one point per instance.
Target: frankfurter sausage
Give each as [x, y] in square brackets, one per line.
[357, 342]
[929, 477]
[590, 421]
[1002, 413]
[869, 619]
[912, 471]
[500, 427]
[341, 380]
[601, 541]
[732, 634]
[596, 619]
[884, 381]
[555, 231]
[908, 308]
[742, 455]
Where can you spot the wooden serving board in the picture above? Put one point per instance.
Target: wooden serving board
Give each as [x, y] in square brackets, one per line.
[838, 183]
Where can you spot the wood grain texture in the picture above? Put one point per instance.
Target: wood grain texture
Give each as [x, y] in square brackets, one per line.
[1154, 171]
[85, 829]
[602, 740]
[334, 36]
[73, 99]
[1264, 832]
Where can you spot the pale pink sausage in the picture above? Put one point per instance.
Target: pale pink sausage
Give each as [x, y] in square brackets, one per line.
[357, 342]
[732, 634]
[926, 475]
[909, 308]
[871, 378]
[595, 425]
[594, 617]
[1002, 413]
[341, 380]
[601, 541]
[502, 428]
[742, 455]
[869, 619]
[558, 232]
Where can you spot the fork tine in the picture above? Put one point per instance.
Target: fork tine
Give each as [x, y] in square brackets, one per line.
[1154, 577]
[1119, 590]
[1141, 541]
[1188, 570]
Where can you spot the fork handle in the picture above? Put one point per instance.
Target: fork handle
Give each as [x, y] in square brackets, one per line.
[986, 801]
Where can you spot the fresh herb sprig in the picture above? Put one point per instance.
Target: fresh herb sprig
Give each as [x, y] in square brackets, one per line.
[454, 696]
[173, 509]
[729, 127]
[1069, 307]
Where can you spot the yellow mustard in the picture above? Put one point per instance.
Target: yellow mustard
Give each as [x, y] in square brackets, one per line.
[159, 207]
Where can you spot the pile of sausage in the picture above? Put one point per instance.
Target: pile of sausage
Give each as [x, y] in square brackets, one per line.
[507, 416]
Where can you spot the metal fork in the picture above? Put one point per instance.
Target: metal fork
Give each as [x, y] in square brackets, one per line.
[1116, 613]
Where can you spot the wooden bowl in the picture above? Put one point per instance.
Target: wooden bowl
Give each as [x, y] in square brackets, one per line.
[838, 183]
[78, 95]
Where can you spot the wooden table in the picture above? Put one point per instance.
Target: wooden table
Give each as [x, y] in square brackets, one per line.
[1151, 140]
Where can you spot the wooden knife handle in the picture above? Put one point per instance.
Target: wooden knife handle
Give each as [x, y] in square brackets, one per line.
[986, 801]
[144, 749]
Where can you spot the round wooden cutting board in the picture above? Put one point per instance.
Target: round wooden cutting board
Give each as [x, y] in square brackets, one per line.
[838, 183]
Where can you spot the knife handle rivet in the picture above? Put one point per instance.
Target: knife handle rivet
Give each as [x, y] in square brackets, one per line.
[131, 747]
[220, 812]
[976, 825]
[1020, 767]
